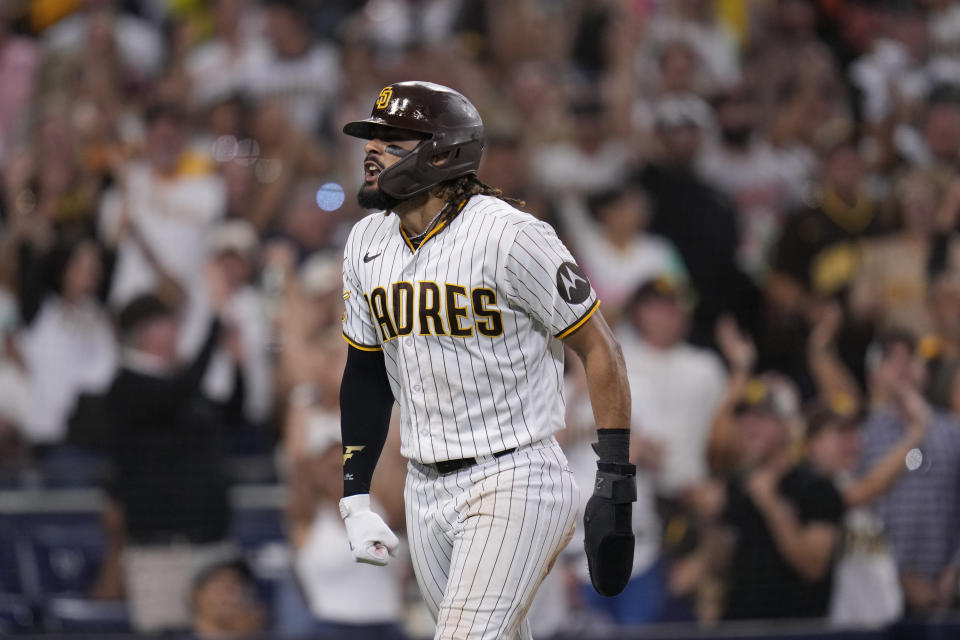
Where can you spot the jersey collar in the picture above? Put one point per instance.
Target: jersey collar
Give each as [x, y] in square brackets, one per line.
[433, 231]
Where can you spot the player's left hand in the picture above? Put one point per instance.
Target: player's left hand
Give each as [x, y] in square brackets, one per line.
[608, 528]
[371, 540]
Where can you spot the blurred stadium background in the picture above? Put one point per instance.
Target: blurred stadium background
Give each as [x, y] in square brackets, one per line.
[765, 194]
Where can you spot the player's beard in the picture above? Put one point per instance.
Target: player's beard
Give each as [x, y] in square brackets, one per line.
[371, 197]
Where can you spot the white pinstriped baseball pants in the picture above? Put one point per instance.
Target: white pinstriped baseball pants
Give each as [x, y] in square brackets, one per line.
[483, 538]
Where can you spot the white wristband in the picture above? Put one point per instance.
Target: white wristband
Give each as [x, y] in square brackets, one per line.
[354, 504]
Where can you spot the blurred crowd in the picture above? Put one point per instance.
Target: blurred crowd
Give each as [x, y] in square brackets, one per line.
[764, 193]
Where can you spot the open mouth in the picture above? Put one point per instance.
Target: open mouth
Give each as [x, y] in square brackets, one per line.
[371, 171]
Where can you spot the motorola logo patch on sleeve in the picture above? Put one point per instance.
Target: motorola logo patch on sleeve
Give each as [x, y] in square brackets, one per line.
[572, 283]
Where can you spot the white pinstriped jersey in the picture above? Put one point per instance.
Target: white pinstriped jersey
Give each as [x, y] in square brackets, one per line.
[469, 325]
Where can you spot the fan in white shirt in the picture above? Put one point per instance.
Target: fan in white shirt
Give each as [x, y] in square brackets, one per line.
[764, 182]
[676, 387]
[170, 202]
[590, 159]
[138, 43]
[302, 74]
[613, 248]
[69, 348]
[235, 247]
[221, 66]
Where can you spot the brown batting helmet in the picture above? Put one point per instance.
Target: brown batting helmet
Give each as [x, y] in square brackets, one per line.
[444, 118]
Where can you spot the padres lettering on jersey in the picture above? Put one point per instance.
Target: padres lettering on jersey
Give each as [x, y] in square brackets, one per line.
[468, 323]
[395, 315]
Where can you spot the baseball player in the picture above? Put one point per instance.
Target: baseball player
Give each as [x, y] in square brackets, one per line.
[458, 306]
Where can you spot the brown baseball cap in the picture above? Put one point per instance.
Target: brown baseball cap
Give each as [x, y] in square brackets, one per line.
[839, 410]
[768, 393]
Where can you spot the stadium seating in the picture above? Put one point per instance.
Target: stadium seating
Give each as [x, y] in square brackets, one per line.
[9, 560]
[50, 557]
[64, 555]
[48, 562]
[253, 528]
[73, 615]
[16, 614]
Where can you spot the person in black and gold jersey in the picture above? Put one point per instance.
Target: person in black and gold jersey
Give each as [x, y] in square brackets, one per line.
[816, 260]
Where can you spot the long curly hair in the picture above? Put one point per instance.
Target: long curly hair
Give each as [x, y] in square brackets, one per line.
[459, 190]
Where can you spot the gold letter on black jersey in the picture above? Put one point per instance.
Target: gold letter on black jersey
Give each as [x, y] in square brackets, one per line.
[378, 305]
[403, 307]
[430, 309]
[454, 312]
[492, 323]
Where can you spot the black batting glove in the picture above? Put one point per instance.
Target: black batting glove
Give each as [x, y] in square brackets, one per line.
[608, 517]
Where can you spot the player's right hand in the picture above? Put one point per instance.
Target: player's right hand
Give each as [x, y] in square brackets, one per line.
[371, 540]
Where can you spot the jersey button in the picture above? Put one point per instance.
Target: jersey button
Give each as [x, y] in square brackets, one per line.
[410, 346]
[417, 388]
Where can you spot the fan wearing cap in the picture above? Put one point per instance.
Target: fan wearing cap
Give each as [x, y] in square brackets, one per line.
[235, 248]
[785, 517]
[832, 438]
[677, 387]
